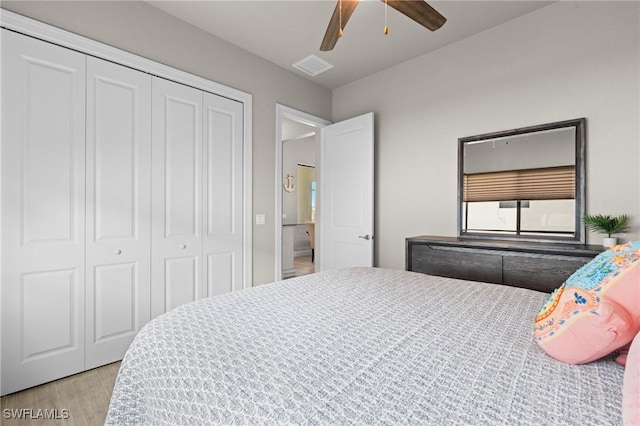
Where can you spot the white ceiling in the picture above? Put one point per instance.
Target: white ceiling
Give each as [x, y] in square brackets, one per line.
[285, 32]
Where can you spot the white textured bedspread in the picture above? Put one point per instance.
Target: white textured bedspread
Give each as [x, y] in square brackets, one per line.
[359, 346]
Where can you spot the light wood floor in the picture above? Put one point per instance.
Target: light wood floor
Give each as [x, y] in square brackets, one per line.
[84, 396]
[303, 265]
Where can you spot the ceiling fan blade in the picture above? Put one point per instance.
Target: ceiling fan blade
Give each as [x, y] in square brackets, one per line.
[331, 35]
[419, 11]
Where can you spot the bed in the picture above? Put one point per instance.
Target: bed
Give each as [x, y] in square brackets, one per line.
[359, 346]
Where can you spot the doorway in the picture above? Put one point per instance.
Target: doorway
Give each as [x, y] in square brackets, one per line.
[297, 152]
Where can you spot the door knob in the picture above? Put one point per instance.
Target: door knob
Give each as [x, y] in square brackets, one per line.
[183, 246]
[366, 237]
[117, 251]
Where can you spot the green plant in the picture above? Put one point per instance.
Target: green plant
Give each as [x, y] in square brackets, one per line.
[606, 224]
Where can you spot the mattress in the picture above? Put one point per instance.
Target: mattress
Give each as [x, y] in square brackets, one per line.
[359, 346]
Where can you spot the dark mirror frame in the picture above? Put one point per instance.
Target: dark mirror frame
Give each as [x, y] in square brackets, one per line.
[580, 129]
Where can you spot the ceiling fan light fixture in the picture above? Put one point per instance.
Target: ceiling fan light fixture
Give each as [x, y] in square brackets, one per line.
[418, 10]
[385, 30]
[312, 65]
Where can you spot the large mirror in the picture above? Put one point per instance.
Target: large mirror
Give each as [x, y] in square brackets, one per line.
[523, 184]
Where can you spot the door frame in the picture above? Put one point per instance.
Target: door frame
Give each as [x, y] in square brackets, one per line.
[46, 32]
[283, 111]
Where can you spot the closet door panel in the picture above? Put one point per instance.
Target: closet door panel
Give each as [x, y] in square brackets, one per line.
[177, 195]
[179, 273]
[43, 131]
[223, 194]
[48, 314]
[182, 169]
[118, 265]
[221, 273]
[115, 292]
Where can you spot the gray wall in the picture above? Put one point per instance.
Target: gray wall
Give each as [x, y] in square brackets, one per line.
[146, 31]
[564, 61]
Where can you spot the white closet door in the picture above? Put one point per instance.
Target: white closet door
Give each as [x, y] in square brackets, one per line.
[223, 194]
[118, 263]
[176, 269]
[43, 185]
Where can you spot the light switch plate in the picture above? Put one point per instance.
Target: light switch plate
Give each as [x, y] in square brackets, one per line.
[260, 219]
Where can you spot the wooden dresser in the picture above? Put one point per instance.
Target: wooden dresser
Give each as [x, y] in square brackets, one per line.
[538, 266]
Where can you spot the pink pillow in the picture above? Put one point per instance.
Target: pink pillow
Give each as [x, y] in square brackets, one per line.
[596, 311]
[631, 385]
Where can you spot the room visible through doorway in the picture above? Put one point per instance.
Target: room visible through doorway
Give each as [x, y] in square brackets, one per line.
[297, 139]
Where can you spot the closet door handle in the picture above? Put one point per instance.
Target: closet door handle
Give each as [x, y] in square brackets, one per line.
[117, 251]
[183, 246]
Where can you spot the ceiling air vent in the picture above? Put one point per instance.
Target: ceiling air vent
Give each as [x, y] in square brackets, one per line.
[312, 65]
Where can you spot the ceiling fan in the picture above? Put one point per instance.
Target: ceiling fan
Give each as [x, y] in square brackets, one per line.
[418, 10]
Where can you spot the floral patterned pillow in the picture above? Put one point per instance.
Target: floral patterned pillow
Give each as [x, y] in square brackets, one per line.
[596, 311]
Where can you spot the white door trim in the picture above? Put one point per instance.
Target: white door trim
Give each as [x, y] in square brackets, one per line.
[283, 111]
[21, 24]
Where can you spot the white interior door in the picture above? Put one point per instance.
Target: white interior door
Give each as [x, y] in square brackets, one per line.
[346, 194]
[222, 151]
[118, 262]
[176, 223]
[43, 211]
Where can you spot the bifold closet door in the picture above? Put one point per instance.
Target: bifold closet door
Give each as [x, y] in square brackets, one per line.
[222, 240]
[43, 211]
[118, 240]
[177, 193]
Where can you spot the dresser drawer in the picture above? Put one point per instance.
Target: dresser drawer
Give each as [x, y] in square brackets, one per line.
[455, 262]
[537, 266]
[539, 272]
